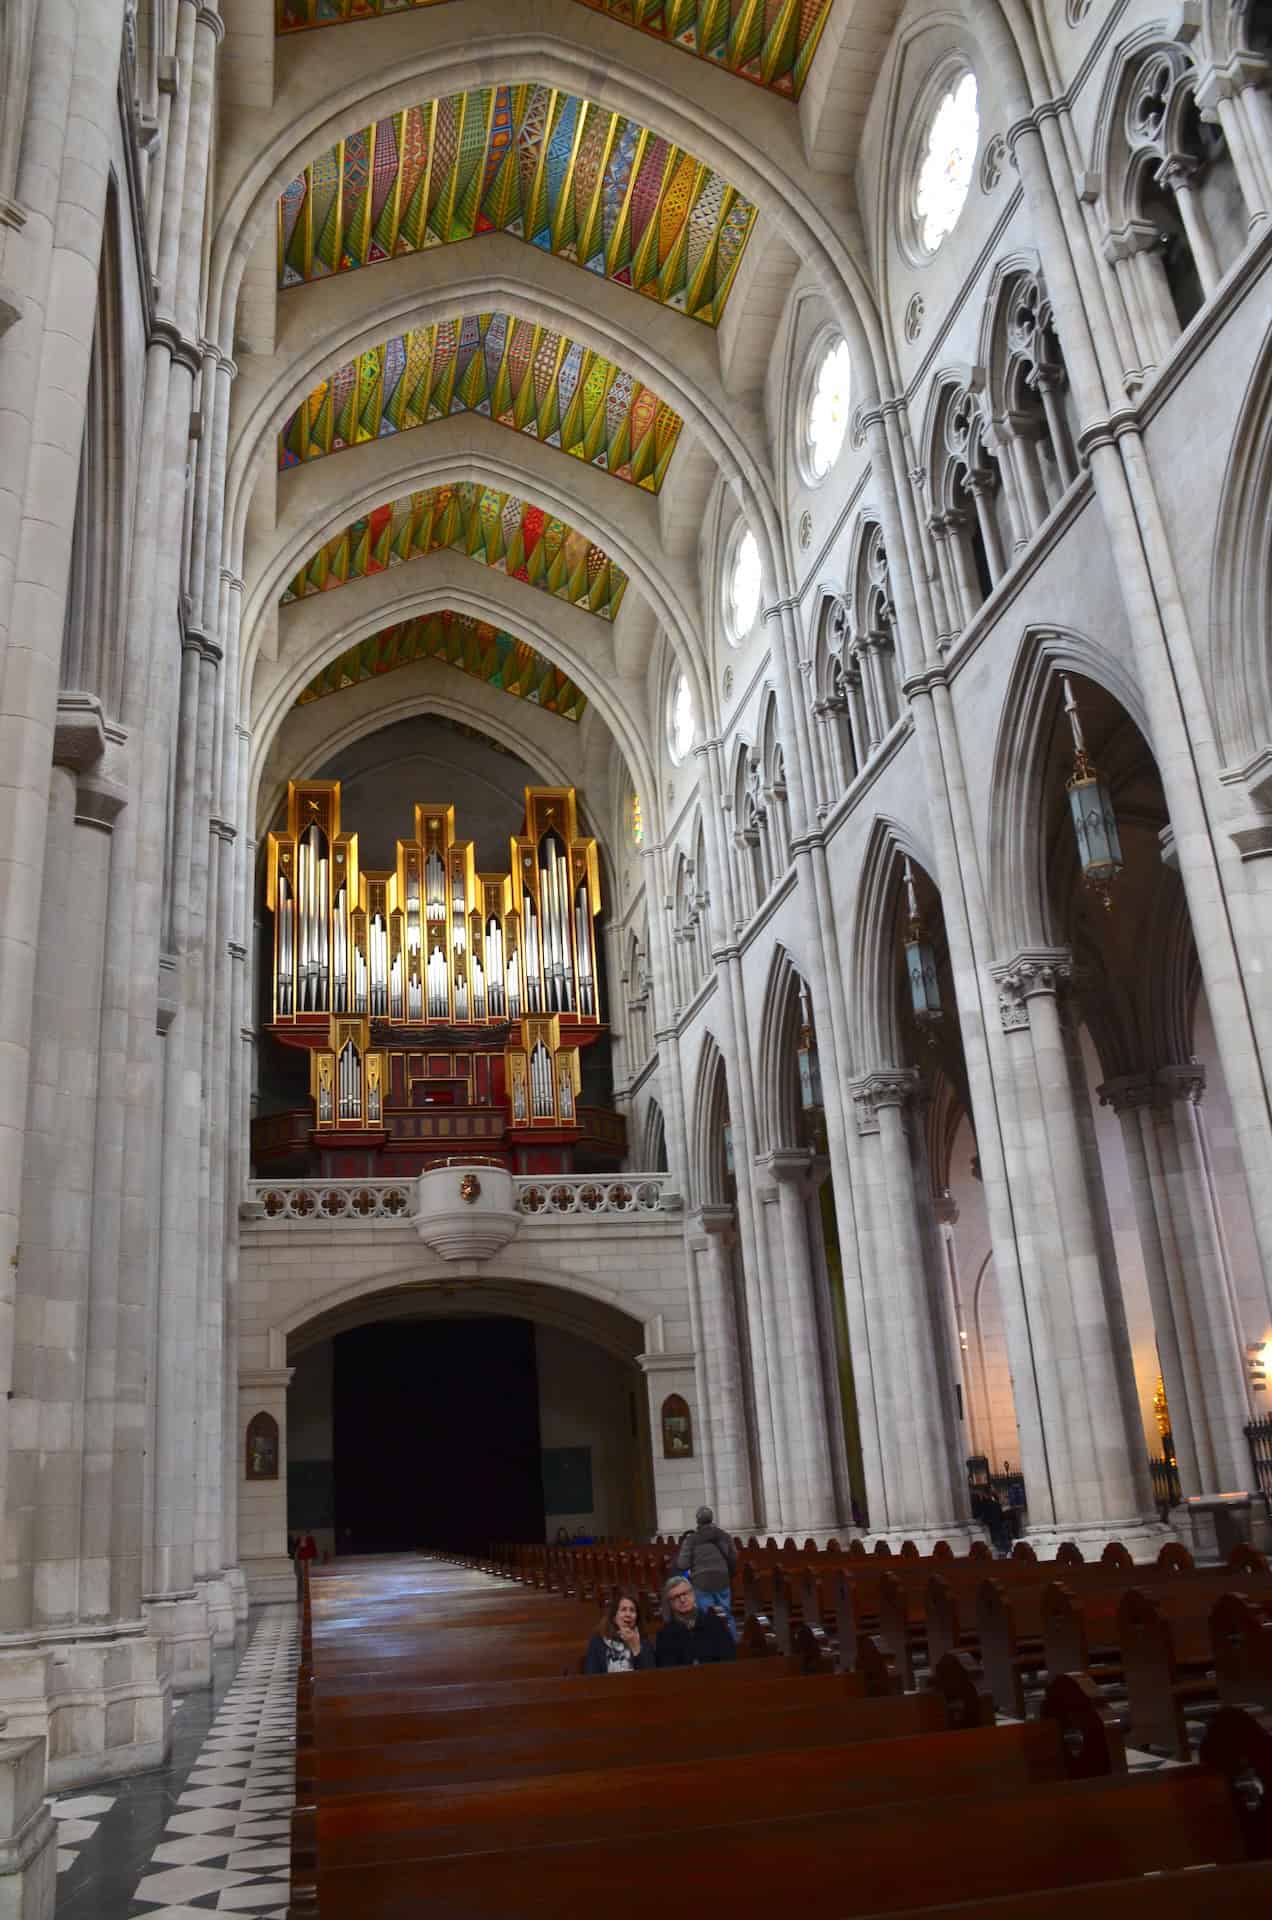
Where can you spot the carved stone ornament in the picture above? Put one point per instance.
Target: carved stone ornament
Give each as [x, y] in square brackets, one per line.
[470, 1189]
[1023, 978]
[915, 314]
[805, 530]
[728, 683]
[994, 161]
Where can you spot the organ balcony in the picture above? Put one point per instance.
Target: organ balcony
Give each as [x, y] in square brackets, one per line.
[442, 1010]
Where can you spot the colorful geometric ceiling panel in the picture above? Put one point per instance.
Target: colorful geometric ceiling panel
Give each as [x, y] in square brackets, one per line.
[293, 16]
[558, 172]
[771, 42]
[474, 646]
[514, 372]
[489, 526]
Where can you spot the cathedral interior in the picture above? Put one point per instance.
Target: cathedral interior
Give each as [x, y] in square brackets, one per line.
[635, 772]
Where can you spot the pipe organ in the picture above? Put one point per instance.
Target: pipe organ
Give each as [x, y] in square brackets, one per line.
[440, 1007]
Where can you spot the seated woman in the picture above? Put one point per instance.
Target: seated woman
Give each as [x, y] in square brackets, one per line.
[618, 1646]
[692, 1637]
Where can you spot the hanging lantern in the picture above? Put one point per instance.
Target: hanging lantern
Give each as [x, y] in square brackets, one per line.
[920, 961]
[1091, 805]
[810, 1086]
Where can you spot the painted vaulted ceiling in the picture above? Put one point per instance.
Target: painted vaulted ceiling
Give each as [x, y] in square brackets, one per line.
[489, 526]
[556, 171]
[771, 42]
[521, 375]
[474, 646]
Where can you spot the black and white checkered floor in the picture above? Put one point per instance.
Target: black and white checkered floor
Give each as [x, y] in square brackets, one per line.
[224, 1845]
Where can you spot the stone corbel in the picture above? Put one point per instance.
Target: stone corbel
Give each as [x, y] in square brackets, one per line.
[1252, 833]
[79, 735]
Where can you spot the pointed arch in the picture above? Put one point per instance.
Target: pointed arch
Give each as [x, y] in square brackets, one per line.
[777, 1089]
[1020, 910]
[709, 1110]
[874, 1030]
[1240, 663]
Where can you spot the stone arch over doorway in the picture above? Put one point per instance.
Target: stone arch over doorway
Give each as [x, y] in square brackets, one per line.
[602, 1359]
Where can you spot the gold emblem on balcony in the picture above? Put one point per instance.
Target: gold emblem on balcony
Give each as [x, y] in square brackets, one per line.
[470, 1188]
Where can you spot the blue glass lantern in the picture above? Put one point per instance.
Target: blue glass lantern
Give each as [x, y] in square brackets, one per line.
[920, 961]
[1091, 809]
[810, 1086]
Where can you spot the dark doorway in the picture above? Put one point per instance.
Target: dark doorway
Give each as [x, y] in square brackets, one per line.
[436, 1431]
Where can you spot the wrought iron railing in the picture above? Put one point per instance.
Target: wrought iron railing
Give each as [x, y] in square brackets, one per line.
[357, 1202]
[1167, 1491]
[1259, 1436]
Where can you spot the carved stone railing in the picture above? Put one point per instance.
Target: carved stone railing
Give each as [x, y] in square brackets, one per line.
[630, 1194]
[319, 1202]
[360, 1202]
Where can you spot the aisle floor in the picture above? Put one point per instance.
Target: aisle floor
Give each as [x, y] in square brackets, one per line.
[208, 1833]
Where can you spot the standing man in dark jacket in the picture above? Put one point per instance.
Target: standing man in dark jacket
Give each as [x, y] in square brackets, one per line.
[691, 1637]
[709, 1557]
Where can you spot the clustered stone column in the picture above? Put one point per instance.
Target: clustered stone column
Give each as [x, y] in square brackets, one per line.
[117, 1569]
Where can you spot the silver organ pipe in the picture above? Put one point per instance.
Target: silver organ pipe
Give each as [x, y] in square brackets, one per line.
[378, 965]
[286, 943]
[495, 965]
[565, 1087]
[435, 885]
[395, 988]
[413, 934]
[322, 931]
[438, 997]
[530, 934]
[479, 989]
[359, 982]
[459, 912]
[349, 1084]
[583, 948]
[514, 986]
[542, 1104]
[340, 951]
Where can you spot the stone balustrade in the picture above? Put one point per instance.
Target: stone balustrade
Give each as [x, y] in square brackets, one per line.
[364, 1202]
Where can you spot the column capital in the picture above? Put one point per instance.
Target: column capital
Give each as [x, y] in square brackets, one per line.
[1033, 971]
[1183, 1081]
[890, 1087]
[1127, 1092]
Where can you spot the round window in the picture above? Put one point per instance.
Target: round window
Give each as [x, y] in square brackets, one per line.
[680, 718]
[941, 171]
[743, 594]
[826, 416]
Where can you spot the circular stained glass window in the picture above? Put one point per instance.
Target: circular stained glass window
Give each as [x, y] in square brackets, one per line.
[744, 586]
[826, 421]
[681, 718]
[946, 156]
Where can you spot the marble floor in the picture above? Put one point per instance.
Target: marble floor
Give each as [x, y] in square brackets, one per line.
[208, 1833]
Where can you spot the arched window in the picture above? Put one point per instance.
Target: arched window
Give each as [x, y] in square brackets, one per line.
[825, 410]
[689, 930]
[750, 833]
[1029, 404]
[940, 157]
[836, 684]
[1174, 213]
[969, 514]
[682, 724]
[773, 767]
[743, 582]
[677, 1428]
